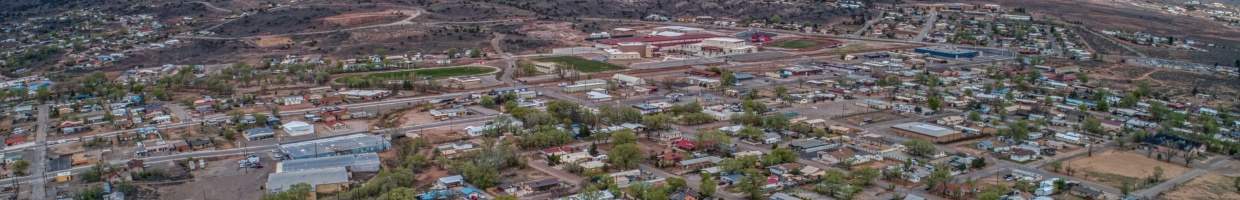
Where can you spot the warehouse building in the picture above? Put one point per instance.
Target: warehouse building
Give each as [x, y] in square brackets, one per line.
[928, 132]
[366, 162]
[334, 146]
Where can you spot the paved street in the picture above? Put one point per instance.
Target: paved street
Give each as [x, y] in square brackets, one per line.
[39, 191]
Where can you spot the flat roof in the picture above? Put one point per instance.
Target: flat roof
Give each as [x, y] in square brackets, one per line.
[366, 162]
[278, 182]
[925, 129]
[332, 144]
[657, 38]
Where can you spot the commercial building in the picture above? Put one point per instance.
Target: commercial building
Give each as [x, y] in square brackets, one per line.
[326, 180]
[716, 47]
[298, 128]
[661, 40]
[259, 133]
[365, 162]
[333, 146]
[586, 85]
[947, 52]
[929, 132]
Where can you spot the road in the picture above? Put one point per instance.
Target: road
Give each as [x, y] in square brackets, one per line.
[925, 28]
[1152, 192]
[223, 116]
[866, 26]
[35, 179]
[406, 21]
[39, 191]
[212, 6]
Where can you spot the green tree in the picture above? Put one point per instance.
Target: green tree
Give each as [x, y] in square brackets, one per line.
[399, 194]
[935, 102]
[780, 156]
[487, 101]
[751, 185]
[657, 121]
[978, 163]
[781, 92]
[625, 156]
[938, 177]
[623, 137]
[920, 147]
[709, 185]
[20, 166]
[1157, 175]
[1092, 125]
[675, 183]
[297, 192]
[865, 177]
[1125, 187]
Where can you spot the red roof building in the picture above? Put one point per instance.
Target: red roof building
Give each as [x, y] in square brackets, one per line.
[685, 144]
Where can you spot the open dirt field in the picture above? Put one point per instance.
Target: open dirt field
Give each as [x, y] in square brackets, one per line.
[273, 41]
[1113, 167]
[1208, 186]
[365, 18]
[222, 180]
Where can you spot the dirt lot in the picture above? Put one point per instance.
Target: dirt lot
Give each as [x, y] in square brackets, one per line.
[861, 119]
[222, 180]
[366, 18]
[1208, 186]
[273, 41]
[1113, 167]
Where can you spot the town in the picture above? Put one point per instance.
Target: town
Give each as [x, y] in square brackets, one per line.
[898, 101]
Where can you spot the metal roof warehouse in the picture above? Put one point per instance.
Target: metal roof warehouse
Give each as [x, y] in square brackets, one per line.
[341, 145]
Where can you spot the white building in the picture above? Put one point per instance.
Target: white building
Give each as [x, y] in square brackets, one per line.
[719, 46]
[298, 128]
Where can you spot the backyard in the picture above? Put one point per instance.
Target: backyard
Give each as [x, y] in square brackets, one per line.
[581, 64]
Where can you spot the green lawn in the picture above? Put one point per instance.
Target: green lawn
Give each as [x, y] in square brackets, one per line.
[795, 44]
[432, 73]
[581, 64]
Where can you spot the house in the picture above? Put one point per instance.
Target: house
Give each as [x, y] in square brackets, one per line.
[703, 81]
[698, 163]
[628, 80]
[255, 134]
[542, 185]
[1070, 137]
[451, 181]
[199, 143]
[597, 96]
[446, 114]
[770, 138]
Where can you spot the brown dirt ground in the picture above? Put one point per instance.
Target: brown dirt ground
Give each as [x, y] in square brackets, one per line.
[1121, 164]
[1208, 186]
[273, 41]
[359, 18]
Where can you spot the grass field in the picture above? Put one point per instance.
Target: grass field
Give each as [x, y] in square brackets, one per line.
[431, 73]
[581, 64]
[795, 44]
